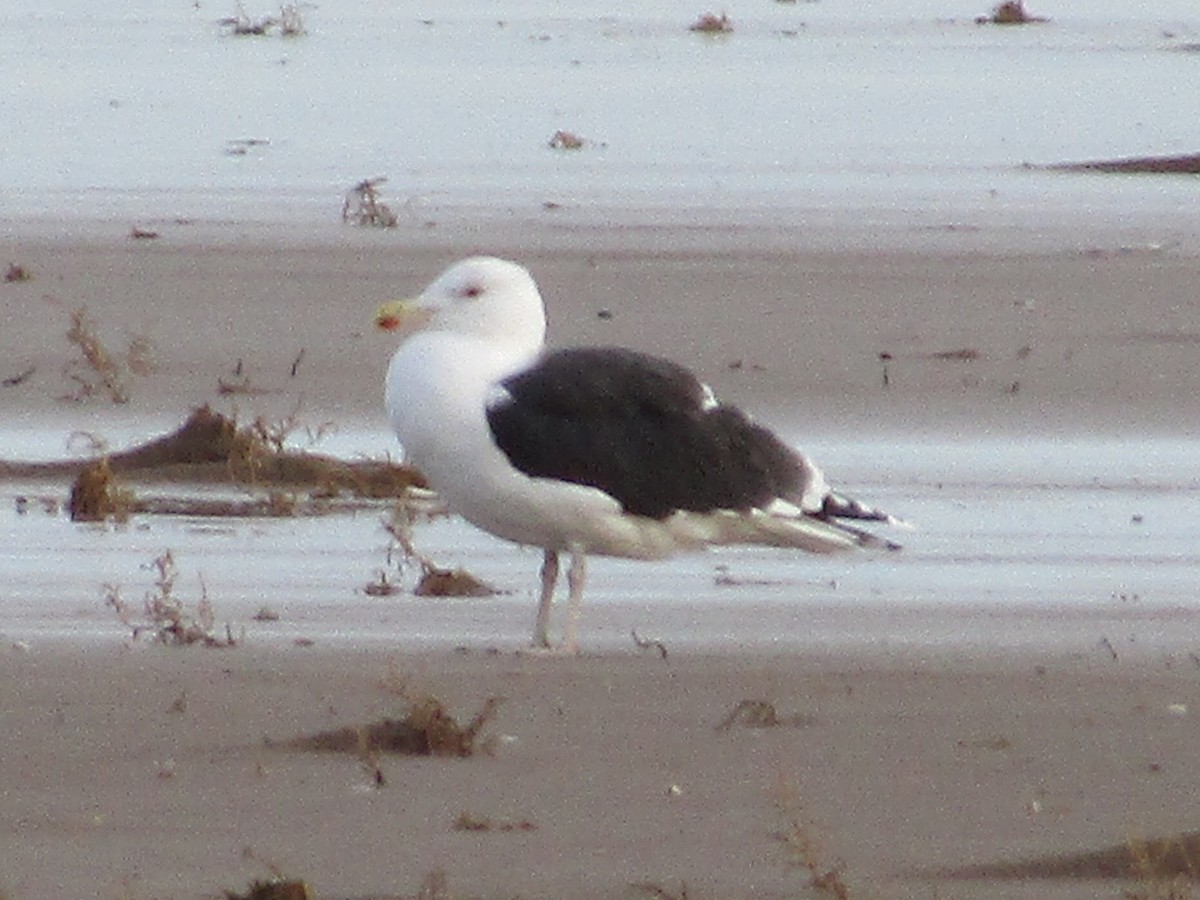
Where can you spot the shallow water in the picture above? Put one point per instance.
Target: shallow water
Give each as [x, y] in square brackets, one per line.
[1072, 545]
[892, 106]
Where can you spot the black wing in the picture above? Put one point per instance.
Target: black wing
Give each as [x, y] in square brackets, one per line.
[643, 430]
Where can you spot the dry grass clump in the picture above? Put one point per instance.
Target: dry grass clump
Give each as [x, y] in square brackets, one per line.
[273, 889]
[438, 582]
[761, 714]
[16, 273]
[361, 205]
[164, 616]
[1009, 12]
[469, 821]
[434, 581]
[826, 879]
[712, 23]
[99, 370]
[97, 496]
[427, 729]
[1166, 869]
[434, 886]
[565, 140]
[289, 22]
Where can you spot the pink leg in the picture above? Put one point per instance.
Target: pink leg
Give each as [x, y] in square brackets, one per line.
[541, 627]
[576, 576]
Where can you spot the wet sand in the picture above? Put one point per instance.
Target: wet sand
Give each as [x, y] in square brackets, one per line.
[912, 742]
[144, 772]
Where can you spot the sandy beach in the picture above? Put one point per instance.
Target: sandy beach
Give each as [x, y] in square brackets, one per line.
[805, 735]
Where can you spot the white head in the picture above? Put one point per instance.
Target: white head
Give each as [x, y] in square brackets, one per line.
[483, 297]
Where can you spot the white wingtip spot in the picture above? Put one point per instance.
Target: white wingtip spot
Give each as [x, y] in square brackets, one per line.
[496, 397]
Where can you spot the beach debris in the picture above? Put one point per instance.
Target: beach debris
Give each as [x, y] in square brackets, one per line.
[382, 586]
[277, 887]
[20, 378]
[712, 23]
[724, 579]
[361, 205]
[140, 355]
[805, 848]
[1183, 164]
[434, 886]
[1149, 861]
[164, 616]
[1009, 12]
[290, 22]
[1152, 248]
[458, 582]
[241, 146]
[274, 889]
[965, 354]
[239, 383]
[16, 273]
[565, 140]
[658, 892]
[426, 730]
[884, 359]
[1108, 645]
[648, 644]
[211, 448]
[998, 743]
[99, 369]
[96, 496]
[761, 714]
[434, 581]
[469, 821]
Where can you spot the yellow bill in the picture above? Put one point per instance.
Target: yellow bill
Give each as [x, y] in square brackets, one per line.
[402, 316]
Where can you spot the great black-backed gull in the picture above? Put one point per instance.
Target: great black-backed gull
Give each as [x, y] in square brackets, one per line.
[596, 450]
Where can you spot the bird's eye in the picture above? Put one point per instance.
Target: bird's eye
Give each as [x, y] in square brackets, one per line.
[471, 291]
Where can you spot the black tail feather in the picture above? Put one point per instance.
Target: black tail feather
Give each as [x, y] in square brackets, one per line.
[836, 506]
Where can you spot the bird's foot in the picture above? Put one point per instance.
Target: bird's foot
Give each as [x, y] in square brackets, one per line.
[565, 648]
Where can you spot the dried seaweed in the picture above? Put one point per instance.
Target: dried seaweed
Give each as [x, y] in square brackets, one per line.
[361, 205]
[712, 23]
[437, 582]
[428, 729]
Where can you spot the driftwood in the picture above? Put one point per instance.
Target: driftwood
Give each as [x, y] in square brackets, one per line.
[210, 448]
